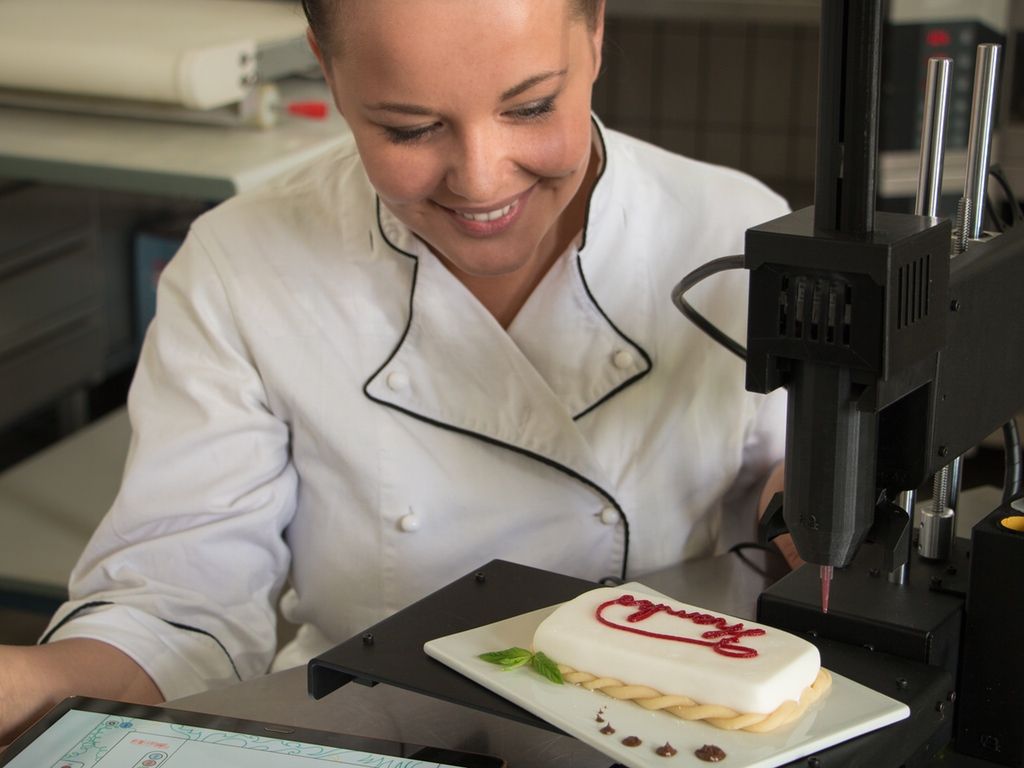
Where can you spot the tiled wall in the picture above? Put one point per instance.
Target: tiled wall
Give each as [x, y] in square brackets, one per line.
[735, 93]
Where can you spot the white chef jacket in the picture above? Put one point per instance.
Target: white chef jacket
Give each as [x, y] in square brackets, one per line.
[319, 401]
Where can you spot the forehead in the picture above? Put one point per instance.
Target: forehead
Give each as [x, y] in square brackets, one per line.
[397, 26]
[422, 45]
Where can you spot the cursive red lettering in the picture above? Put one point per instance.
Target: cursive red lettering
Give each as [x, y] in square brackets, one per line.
[721, 640]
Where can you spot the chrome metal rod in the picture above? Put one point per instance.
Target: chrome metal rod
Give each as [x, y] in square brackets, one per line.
[933, 136]
[956, 475]
[938, 523]
[979, 142]
[907, 500]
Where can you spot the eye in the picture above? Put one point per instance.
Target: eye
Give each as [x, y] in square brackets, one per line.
[536, 110]
[408, 135]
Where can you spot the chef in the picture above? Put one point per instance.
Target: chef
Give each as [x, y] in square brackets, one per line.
[450, 341]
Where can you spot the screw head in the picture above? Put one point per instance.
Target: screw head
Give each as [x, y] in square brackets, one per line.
[874, 572]
[813, 762]
[368, 638]
[954, 305]
[902, 683]
[480, 577]
[943, 450]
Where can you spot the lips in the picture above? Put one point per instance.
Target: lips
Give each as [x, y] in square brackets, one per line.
[490, 220]
[490, 216]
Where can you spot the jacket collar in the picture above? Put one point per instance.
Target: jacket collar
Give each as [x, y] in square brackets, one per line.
[524, 388]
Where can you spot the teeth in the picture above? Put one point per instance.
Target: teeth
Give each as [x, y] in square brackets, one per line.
[491, 216]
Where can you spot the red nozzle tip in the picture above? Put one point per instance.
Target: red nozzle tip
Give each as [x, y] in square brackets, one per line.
[826, 584]
[315, 110]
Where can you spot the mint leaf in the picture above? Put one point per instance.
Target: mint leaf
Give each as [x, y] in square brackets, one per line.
[510, 658]
[545, 666]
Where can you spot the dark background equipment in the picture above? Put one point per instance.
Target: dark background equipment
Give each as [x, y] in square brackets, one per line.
[897, 359]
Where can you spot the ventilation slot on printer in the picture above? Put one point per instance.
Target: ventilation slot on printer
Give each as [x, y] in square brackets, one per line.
[815, 309]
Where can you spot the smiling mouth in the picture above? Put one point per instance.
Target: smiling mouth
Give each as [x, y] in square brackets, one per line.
[481, 223]
[490, 215]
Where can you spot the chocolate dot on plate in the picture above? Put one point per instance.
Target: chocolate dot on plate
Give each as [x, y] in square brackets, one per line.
[632, 741]
[667, 750]
[710, 753]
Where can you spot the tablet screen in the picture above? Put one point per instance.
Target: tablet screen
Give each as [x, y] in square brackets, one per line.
[80, 738]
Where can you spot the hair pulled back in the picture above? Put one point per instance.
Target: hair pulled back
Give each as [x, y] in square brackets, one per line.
[320, 15]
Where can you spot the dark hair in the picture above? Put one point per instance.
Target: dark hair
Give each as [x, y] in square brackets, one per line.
[320, 15]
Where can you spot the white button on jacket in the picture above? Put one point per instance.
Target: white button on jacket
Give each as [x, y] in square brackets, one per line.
[609, 516]
[409, 523]
[278, 431]
[397, 381]
[623, 359]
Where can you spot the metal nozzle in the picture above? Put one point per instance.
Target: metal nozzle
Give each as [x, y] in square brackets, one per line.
[825, 571]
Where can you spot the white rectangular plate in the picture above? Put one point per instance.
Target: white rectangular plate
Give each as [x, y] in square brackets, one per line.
[847, 710]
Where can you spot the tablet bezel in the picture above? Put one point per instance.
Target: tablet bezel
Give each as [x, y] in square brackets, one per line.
[248, 727]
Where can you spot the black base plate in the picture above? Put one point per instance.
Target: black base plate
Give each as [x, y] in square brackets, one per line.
[392, 652]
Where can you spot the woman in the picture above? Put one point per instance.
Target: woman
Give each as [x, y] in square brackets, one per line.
[449, 342]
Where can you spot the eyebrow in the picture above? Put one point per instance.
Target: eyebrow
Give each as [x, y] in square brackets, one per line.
[511, 93]
[529, 82]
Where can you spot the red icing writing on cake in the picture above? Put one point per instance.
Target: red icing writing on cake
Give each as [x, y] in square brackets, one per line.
[722, 639]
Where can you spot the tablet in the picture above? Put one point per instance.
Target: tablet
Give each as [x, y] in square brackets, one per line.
[83, 733]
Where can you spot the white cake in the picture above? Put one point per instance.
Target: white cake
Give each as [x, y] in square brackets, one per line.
[632, 643]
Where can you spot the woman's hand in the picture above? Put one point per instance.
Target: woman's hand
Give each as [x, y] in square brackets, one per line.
[33, 679]
[773, 485]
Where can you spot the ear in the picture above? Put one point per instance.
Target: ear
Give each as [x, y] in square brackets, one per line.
[597, 39]
[325, 67]
[314, 46]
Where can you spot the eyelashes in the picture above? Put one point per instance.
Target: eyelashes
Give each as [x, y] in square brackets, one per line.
[408, 135]
[531, 112]
[536, 110]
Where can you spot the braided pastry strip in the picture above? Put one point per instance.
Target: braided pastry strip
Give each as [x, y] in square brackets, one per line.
[686, 708]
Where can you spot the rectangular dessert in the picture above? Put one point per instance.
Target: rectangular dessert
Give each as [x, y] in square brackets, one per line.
[695, 664]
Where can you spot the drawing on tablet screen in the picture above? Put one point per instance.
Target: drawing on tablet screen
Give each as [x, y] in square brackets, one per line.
[124, 742]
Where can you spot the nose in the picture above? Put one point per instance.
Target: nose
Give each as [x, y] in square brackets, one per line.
[479, 165]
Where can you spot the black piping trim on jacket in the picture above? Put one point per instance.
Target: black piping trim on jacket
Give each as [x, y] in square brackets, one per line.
[84, 607]
[641, 350]
[210, 635]
[177, 625]
[484, 438]
[590, 295]
[600, 175]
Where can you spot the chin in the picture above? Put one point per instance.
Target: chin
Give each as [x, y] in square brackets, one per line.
[478, 266]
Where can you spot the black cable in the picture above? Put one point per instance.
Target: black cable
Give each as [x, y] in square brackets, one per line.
[994, 215]
[700, 273]
[737, 549]
[996, 172]
[1012, 473]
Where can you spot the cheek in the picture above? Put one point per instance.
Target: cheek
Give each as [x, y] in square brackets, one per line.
[400, 177]
[561, 150]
